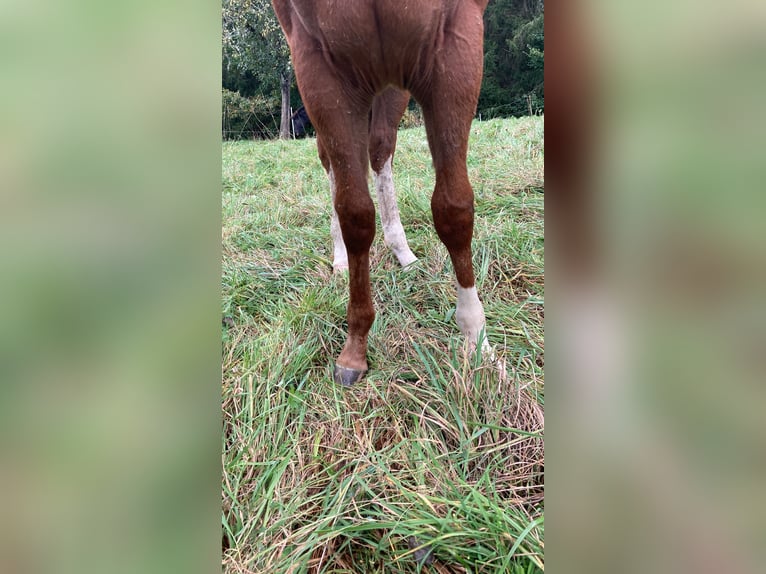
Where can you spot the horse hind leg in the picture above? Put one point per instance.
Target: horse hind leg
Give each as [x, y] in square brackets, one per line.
[387, 110]
[340, 255]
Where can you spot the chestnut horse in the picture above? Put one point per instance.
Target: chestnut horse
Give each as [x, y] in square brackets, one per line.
[353, 60]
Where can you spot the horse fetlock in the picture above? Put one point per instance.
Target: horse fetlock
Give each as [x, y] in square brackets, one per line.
[470, 313]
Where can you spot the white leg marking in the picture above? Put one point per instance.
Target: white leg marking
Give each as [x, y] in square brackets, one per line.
[470, 313]
[393, 232]
[470, 318]
[340, 257]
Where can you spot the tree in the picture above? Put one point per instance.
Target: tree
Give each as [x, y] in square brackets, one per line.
[254, 44]
[514, 45]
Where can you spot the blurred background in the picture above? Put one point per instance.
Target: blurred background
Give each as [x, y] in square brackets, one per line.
[656, 333]
[109, 286]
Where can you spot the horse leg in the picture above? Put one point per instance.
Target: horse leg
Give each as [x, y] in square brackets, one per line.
[387, 110]
[356, 216]
[341, 118]
[448, 107]
[452, 209]
[340, 256]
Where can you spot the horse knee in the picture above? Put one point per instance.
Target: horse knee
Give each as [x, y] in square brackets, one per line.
[453, 220]
[357, 222]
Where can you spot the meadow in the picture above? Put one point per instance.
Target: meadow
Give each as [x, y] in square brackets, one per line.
[434, 462]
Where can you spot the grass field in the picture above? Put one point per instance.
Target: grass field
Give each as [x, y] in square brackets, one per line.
[431, 463]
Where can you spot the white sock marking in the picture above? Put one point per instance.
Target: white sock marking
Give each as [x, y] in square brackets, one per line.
[393, 232]
[340, 257]
[470, 318]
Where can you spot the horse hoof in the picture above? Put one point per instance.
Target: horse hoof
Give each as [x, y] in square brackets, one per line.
[346, 377]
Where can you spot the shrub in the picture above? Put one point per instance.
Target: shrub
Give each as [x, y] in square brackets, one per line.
[413, 116]
[248, 118]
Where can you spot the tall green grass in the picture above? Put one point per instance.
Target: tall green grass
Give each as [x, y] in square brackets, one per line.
[433, 462]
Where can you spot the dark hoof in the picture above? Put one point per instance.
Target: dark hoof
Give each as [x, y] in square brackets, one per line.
[346, 377]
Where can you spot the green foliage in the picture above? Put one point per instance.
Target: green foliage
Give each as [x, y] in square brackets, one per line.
[254, 47]
[248, 118]
[514, 48]
[413, 116]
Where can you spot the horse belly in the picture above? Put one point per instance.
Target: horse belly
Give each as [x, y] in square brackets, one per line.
[384, 38]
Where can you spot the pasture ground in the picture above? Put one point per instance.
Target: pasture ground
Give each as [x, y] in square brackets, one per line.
[431, 463]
